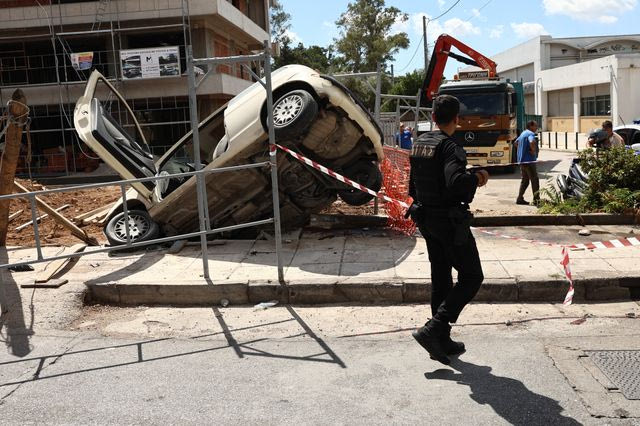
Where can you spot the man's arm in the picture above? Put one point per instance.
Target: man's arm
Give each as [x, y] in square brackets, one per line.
[459, 182]
[532, 145]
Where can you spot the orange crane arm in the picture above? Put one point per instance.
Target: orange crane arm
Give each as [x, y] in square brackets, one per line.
[441, 52]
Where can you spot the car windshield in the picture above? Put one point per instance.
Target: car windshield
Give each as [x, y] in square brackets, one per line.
[482, 103]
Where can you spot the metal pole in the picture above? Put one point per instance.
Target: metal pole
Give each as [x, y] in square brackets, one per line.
[576, 141]
[377, 115]
[426, 45]
[273, 160]
[566, 141]
[34, 220]
[556, 140]
[195, 137]
[125, 210]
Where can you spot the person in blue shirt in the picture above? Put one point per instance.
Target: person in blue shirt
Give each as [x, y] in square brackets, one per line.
[527, 144]
[403, 137]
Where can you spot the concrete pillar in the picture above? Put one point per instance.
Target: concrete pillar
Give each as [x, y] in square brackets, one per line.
[576, 109]
[615, 98]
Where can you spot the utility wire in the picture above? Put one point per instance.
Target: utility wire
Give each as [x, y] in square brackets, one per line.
[422, 38]
[414, 54]
[445, 12]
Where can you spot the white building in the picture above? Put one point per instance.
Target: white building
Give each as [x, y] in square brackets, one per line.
[576, 83]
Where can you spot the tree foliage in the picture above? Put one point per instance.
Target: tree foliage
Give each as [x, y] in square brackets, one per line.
[280, 24]
[365, 35]
[316, 57]
[613, 184]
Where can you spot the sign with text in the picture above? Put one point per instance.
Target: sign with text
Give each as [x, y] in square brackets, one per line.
[155, 62]
[82, 61]
[470, 75]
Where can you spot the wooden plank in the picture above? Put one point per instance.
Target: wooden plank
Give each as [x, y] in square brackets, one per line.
[91, 212]
[39, 218]
[75, 231]
[14, 215]
[177, 246]
[56, 266]
[95, 217]
[53, 283]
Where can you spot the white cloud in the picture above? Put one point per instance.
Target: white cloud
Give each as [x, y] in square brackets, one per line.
[400, 26]
[476, 14]
[605, 11]
[294, 37]
[528, 29]
[330, 29]
[496, 32]
[441, 4]
[454, 26]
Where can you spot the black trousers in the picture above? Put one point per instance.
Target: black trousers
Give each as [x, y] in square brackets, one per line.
[529, 174]
[448, 300]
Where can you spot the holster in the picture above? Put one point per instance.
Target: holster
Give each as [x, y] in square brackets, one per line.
[415, 211]
[461, 221]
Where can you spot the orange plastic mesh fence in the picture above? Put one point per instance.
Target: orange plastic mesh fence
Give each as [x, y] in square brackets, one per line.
[395, 184]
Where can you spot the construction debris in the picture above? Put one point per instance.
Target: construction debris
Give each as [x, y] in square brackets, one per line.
[57, 265]
[77, 232]
[39, 218]
[14, 215]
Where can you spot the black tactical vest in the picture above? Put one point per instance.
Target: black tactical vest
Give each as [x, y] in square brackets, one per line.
[427, 170]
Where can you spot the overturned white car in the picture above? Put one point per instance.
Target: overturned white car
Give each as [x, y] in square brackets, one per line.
[313, 114]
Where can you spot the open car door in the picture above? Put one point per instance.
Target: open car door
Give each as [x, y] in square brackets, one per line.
[126, 151]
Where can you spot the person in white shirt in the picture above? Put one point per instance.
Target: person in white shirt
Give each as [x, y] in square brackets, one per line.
[613, 140]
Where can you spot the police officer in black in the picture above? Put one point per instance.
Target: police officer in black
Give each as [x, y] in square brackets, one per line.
[442, 189]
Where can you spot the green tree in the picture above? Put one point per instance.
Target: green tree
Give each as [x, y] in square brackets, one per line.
[280, 24]
[365, 35]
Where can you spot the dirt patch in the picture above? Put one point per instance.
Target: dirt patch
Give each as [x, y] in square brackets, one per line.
[340, 207]
[80, 202]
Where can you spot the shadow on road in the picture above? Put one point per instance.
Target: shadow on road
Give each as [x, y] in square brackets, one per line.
[508, 397]
[128, 357]
[13, 330]
[245, 349]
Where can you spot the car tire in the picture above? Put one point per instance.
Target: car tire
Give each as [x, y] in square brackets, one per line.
[293, 113]
[365, 173]
[141, 228]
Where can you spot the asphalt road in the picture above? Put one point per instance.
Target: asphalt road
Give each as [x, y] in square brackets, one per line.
[500, 193]
[296, 365]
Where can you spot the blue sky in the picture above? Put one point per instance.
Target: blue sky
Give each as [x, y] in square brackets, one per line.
[489, 26]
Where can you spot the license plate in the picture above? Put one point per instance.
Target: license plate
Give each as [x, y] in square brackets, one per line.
[471, 150]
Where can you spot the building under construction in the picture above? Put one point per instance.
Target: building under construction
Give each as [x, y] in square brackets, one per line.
[48, 48]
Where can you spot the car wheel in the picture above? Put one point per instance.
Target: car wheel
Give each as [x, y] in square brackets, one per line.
[365, 173]
[141, 228]
[293, 113]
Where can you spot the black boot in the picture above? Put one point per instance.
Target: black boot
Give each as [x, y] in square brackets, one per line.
[451, 347]
[430, 337]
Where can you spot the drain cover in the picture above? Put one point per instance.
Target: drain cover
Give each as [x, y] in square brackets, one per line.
[622, 368]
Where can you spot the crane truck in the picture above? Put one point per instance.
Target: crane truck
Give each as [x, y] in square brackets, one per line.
[491, 109]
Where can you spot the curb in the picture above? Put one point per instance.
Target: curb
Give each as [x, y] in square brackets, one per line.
[198, 293]
[335, 221]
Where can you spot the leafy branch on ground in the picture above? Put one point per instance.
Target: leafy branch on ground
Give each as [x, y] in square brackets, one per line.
[613, 185]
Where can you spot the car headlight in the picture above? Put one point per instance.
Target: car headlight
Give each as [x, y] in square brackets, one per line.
[497, 154]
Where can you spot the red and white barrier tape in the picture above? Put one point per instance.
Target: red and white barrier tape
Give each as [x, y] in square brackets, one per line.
[341, 178]
[565, 262]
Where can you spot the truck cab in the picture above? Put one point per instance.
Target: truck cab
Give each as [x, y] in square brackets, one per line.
[488, 124]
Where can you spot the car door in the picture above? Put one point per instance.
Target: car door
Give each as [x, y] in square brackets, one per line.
[126, 151]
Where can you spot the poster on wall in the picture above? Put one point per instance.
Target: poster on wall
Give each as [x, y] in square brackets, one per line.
[82, 61]
[155, 62]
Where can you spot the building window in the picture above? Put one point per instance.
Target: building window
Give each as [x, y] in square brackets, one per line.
[596, 105]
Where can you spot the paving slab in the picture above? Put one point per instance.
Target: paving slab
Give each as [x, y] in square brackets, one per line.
[378, 266]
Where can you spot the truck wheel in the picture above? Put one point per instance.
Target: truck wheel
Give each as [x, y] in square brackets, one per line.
[365, 173]
[293, 113]
[141, 228]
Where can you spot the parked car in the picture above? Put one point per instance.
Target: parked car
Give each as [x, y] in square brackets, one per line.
[631, 135]
[313, 114]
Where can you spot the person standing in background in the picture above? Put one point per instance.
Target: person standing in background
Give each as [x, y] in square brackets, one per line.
[527, 155]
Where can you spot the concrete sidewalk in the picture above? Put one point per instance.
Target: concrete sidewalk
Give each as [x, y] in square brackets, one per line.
[352, 266]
